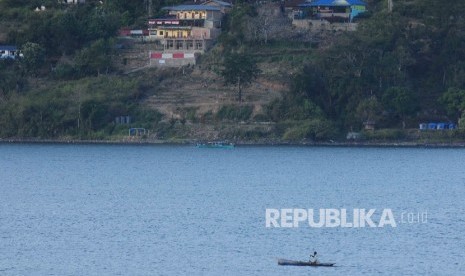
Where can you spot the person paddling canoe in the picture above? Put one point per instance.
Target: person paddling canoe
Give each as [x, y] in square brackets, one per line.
[313, 258]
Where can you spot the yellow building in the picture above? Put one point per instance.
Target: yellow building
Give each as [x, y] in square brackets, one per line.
[187, 21]
[192, 12]
[186, 32]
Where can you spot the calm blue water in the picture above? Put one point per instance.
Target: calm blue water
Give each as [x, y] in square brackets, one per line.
[177, 210]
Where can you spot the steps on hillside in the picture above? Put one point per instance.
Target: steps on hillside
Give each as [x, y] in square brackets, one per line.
[205, 91]
[189, 97]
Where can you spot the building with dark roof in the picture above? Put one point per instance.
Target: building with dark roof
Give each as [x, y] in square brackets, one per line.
[225, 7]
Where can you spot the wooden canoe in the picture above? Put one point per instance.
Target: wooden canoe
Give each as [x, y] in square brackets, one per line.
[301, 263]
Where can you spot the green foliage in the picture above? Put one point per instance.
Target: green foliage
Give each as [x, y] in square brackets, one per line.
[235, 26]
[34, 57]
[145, 117]
[314, 129]
[239, 70]
[27, 5]
[310, 84]
[369, 109]
[234, 112]
[81, 109]
[290, 108]
[307, 89]
[130, 10]
[454, 101]
[11, 78]
[95, 59]
[244, 134]
[418, 49]
[384, 135]
[63, 32]
[400, 100]
[394, 65]
[65, 71]
[101, 24]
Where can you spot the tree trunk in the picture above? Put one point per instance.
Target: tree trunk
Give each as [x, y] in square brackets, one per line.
[390, 5]
[240, 88]
[150, 8]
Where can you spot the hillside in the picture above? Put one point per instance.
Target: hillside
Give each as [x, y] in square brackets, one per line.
[399, 69]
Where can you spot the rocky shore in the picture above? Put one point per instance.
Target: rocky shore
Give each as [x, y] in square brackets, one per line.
[267, 142]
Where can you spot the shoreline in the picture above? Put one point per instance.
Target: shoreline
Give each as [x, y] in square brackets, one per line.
[348, 144]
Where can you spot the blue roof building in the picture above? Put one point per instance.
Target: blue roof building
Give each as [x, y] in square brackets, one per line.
[9, 51]
[224, 6]
[8, 48]
[334, 9]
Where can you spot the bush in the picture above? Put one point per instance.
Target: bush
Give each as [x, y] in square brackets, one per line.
[64, 72]
[147, 117]
[241, 134]
[261, 118]
[315, 129]
[384, 134]
[190, 114]
[84, 108]
[234, 113]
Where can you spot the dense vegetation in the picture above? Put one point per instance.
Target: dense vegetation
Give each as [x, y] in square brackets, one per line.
[398, 69]
[53, 91]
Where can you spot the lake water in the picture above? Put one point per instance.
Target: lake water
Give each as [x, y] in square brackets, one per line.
[179, 210]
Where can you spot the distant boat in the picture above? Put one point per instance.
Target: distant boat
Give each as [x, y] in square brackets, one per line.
[216, 145]
[302, 263]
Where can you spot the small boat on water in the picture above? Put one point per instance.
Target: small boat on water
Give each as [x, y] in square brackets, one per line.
[216, 145]
[302, 263]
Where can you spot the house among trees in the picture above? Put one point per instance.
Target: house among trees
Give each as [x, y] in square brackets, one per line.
[74, 1]
[185, 32]
[331, 10]
[292, 5]
[9, 51]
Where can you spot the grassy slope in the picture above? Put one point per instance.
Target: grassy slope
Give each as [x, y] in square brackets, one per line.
[188, 101]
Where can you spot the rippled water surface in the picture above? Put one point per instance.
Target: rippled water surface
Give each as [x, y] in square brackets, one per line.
[179, 210]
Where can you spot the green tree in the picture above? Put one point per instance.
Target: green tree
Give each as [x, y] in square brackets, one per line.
[34, 57]
[454, 101]
[95, 59]
[310, 84]
[101, 23]
[400, 100]
[9, 77]
[69, 32]
[234, 25]
[369, 109]
[239, 70]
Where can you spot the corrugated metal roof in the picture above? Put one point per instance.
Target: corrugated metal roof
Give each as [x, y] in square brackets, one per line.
[192, 8]
[222, 3]
[8, 48]
[333, 3]
[341, 3]
[293, 3]
[357, 2]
